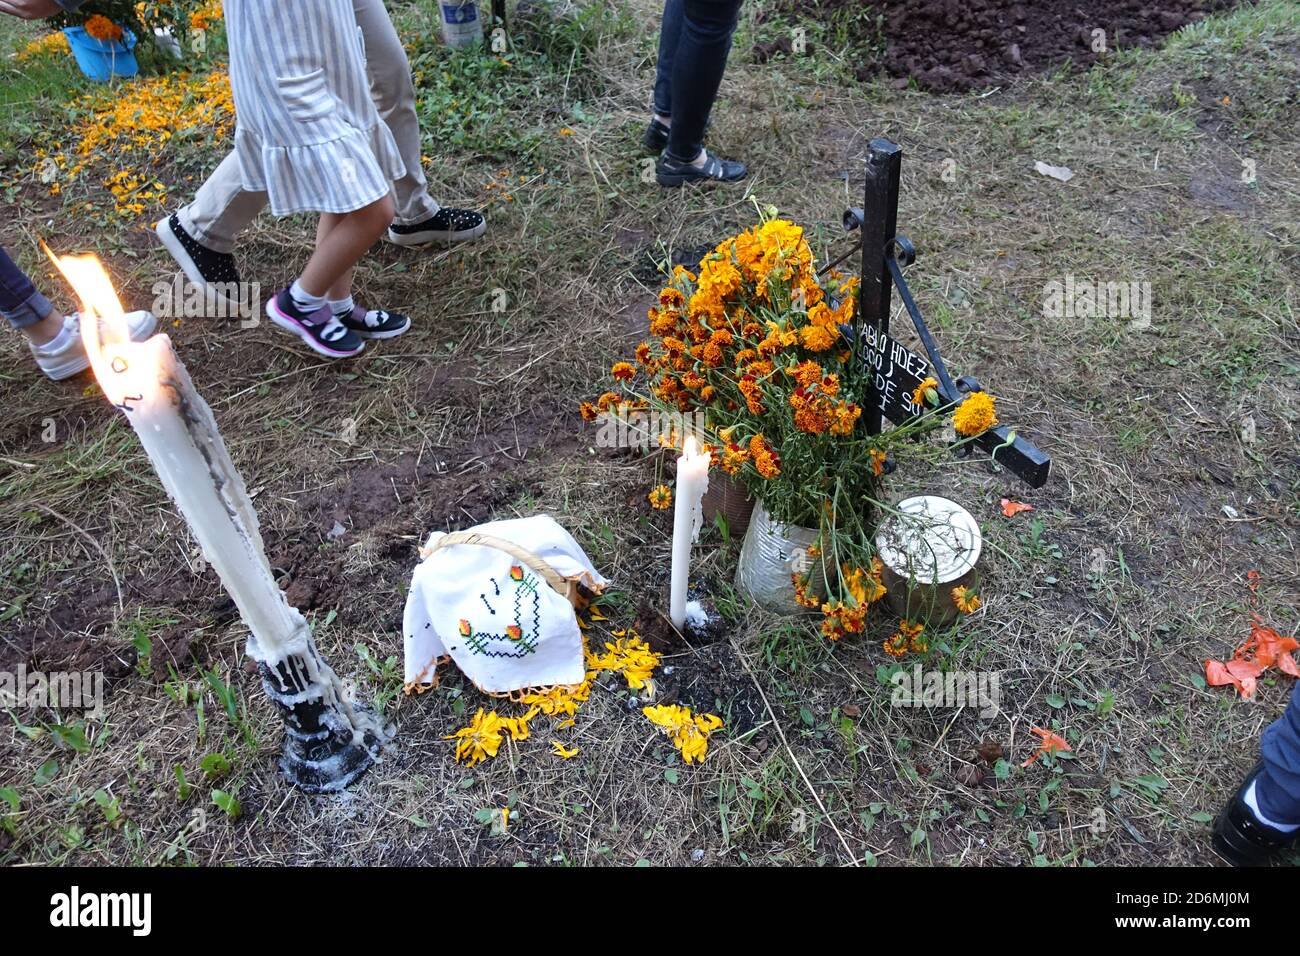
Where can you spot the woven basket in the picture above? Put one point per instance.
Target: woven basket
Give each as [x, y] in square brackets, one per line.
[567, 588]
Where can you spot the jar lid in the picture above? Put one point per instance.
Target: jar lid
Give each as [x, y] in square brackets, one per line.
[931, 540]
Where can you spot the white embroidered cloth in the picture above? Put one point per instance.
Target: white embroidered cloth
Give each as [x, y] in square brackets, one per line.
[500, 621]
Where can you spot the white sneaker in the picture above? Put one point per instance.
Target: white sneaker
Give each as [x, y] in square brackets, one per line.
[65, 354]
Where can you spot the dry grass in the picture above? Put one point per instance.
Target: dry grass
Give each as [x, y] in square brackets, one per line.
[1134, 576]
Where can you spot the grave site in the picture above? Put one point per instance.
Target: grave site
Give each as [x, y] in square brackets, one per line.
[928, 498]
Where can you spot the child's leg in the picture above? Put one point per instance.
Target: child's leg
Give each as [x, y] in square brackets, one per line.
[366, 323]
[341, 241]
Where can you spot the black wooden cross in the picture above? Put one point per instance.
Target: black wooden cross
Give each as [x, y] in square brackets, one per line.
[898, 370]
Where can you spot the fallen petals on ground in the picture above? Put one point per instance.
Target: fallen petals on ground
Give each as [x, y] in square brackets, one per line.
[1264, 648]
[1051, 743]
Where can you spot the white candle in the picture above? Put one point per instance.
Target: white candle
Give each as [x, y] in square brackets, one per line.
[176, 428]
[692, 482]
[328, 742]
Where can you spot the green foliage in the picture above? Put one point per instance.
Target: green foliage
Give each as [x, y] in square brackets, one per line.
[468, 98]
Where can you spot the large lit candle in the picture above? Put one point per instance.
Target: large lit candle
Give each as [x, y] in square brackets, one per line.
[330, 741]
[692, 482]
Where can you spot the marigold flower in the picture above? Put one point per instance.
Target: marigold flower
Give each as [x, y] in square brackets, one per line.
[807, 373]
[926, 393]
[688, 732]
[878, 459]
[802, 595]
[766, 460]
[660, 497]
[846, 416]
[588, 411]
[480, 740]
[102, 28]
[629, 656]
[967, 601]
[914, 632]
[623, 371]
[975, 415]
[753, 394]
[818, 338]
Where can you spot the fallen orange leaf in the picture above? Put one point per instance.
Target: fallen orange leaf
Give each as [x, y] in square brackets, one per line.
[1012, 508]
[1052, 743]
[1264, 648]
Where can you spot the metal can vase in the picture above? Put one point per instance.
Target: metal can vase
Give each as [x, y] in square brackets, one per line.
[727, 497]
[928, 547]
[769, 555]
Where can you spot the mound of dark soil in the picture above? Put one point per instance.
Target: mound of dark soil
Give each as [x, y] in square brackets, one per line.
[954, 45]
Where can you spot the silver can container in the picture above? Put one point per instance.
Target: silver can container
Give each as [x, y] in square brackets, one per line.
[928, 547]
[769, 555]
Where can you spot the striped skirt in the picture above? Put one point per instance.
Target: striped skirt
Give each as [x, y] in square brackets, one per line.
[306, 130]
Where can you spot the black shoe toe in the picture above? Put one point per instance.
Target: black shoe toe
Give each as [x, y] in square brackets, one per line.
[1240, 838]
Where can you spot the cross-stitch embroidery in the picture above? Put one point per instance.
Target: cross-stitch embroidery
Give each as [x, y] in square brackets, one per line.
[516, 641]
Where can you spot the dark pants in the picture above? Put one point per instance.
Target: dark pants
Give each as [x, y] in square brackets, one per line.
[1277, 789]
[693, 45]
[20, 303]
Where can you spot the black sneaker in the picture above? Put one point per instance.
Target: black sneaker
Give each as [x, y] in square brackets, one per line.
[375, 323]
[1241, 839]
[213, 272]
[670, 172]
[448, 225]
[655, 139]
[320, 330]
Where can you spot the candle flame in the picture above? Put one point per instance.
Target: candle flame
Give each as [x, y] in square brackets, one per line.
[690, 447]
[104, 330]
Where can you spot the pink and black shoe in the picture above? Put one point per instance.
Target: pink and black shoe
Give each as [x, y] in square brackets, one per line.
[375, 323]
[321, 331]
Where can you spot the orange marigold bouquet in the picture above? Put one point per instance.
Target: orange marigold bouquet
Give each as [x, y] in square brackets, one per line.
[755, 343]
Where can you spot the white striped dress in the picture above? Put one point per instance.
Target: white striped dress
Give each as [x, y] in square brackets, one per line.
[306, 130]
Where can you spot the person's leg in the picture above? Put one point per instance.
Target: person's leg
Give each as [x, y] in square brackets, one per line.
[419, 218]
[54, 339]
[222, 208]
[701, 59]
[670, 34]
[1277, 789]
[394, 95]
[23, 306]
[342, 239]
[200, 236]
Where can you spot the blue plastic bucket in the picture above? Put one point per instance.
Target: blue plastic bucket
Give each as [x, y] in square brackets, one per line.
[102, 59]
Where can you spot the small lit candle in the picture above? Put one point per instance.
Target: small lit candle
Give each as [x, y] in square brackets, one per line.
[692, 482]
[148, 383]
